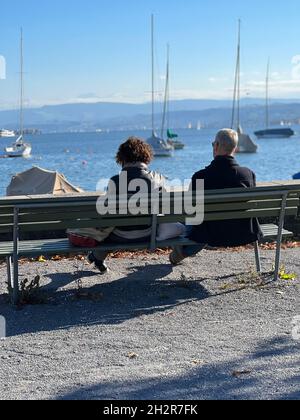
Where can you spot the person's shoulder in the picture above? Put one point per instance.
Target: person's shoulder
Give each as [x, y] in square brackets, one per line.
[245, 170]
[156, 178]
[200, 174]
[247, 174]
[115, 178]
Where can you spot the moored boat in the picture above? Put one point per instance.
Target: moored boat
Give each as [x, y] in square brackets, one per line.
[296, 176]
[18, 149]
[246, 144]
[176, 144]
[7, 133]
[275, 133]
[172, 138]
[272, 133]
[160, 147]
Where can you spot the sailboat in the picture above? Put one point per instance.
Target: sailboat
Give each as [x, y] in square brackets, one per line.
[174, 142]
[20, 148]
[272, 132]
[296, 176]
[246, 144]
[160, 147]
[172, 137]
[7, 133]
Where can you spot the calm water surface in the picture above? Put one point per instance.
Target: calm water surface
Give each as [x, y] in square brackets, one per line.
[86, 158]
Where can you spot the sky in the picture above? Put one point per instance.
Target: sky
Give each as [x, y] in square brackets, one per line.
[99, 50]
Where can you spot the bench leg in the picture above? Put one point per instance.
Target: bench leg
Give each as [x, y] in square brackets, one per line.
[257, 258]
[278, 257]
[9, 272]
[16, 258]
[16, 288]
[279, 238]
[153, 233]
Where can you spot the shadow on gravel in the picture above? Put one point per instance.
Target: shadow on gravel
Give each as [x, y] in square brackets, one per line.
[60, 280]
[143, 292]
[254, 377]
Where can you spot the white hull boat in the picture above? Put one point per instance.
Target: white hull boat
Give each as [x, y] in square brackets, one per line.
[176, 144]
[160, 147]
[246, 144]
[7, 133]
[18, 149]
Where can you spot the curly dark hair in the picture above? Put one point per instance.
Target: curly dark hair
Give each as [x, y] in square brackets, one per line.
[134, 150]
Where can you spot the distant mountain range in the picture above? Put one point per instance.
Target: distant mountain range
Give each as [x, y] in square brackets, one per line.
[120, 116]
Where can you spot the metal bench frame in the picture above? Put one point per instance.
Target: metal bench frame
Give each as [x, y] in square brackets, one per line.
[12, 259]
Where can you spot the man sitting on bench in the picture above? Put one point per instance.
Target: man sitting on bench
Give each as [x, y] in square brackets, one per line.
[223, 172]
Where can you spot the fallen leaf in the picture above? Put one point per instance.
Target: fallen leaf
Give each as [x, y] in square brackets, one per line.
[225, 286]
[42, 259]
[57, 258]
[132, 355]
[197, 362]
[239, 373]
[283, 275]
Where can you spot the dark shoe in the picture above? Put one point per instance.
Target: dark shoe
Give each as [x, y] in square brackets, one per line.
[102, 267]
[176, 257]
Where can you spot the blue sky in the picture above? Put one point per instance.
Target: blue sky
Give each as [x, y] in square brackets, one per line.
[100, 50]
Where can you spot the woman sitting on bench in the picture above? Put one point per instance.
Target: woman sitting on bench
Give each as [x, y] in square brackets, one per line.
[133, 156]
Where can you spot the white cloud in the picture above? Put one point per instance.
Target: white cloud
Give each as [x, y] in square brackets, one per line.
[217, 79]
[282, 88]
[2, 68]
[296, 67]
[276, 75]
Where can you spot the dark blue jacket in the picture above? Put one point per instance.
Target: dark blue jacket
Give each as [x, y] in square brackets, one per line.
[225, 172]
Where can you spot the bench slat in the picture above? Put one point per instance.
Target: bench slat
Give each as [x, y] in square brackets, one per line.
[141, 221]
[53, 246]
[71, 214]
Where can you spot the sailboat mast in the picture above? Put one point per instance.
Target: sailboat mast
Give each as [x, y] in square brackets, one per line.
[21, 85]
[267, 95]
[239, 78]
[167, 90]
[237, 81]
[153, 81]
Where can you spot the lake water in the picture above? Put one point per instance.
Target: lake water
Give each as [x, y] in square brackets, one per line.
[85, 158]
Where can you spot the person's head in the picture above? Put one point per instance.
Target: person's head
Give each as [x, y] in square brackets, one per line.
[134, 150]
[226, 143]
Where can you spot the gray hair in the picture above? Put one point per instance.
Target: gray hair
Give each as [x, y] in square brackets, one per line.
[227, 139]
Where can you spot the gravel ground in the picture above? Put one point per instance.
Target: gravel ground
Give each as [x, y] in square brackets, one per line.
[208, 329]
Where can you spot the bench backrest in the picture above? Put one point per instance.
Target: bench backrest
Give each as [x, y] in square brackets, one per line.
[48, 213]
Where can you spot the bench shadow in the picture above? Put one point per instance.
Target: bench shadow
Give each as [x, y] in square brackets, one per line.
[249, 377]
[143, 292]
[60, 280]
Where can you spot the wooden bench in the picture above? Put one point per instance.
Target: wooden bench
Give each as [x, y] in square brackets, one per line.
[55, 213]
